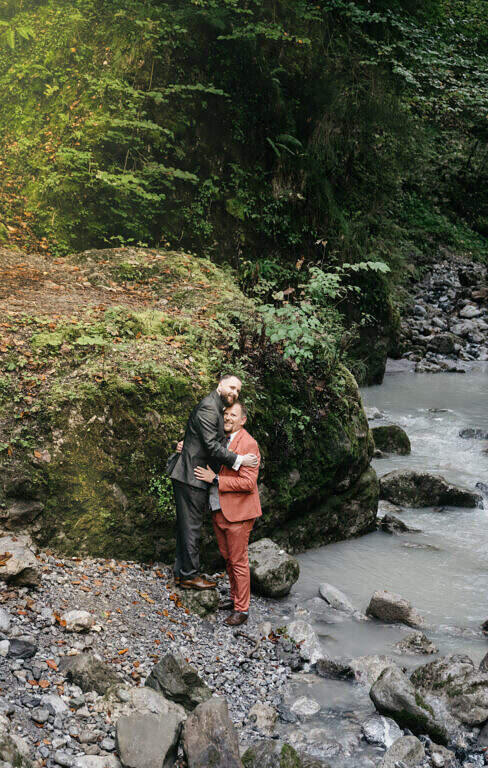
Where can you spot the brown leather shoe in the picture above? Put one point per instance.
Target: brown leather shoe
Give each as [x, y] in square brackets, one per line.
[235, 619]
[226, 605]
[177, 580]
[198, 582]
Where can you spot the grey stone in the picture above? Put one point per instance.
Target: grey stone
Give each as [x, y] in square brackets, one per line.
[463, 688]
[21, 649]
[264, 716]
[408, 749]
[395, 696]
[63, 758]
[422, 489]
[40, 714]
[373, 413]
[305, 708]
[367, 669]
[391, 439]
[304, 636]
[380, 730]
[178, 681]
[484, 663]
[4, 647]
[483, 736]
[89, 673]
[146, 699]
[470, 311]
[97, 761]
[198, 601]
[416, 643]
[335, 669]
[393, 525]
[22, 512]
[56, 702]
[267, 753]
[335, 598]
[209, 737]
[273, 571]
[145, 740]
[441, 757]
[77, 621]
[20, 566]
[393, 609]
[473, 433]
[4, 620]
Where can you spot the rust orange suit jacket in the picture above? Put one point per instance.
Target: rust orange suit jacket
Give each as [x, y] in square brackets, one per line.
[238, 491]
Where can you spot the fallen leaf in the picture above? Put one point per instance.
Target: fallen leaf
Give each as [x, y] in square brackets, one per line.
[124, 650]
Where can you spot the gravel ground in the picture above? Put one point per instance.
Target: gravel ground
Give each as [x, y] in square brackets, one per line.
[138, 618]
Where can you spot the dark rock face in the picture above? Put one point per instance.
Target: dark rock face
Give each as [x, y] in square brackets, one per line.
[273, 571]
[421, 489]
[473, 433]
[178, 681]
[89, 673]
[391, 439]
[209, 737]
[484, 663]
[21, 649]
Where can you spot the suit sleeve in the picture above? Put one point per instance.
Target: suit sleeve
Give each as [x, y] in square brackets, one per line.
[207, 427]
[243, 481]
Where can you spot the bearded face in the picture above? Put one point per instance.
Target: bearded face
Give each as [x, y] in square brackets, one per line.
[229, 390]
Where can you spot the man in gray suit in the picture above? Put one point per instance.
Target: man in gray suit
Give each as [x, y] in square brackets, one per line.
[204, 443]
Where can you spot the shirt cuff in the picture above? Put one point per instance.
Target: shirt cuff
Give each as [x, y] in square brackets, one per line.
[237, 463]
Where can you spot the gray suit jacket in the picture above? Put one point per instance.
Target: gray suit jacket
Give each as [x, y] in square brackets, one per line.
[204, 442]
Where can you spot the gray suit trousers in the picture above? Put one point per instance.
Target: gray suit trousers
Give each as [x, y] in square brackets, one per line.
[190, 506]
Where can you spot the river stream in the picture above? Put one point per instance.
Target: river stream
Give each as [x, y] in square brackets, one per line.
[442, 570]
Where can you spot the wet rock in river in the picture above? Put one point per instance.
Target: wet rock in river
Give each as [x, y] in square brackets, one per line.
[483, 487]
[391, 439]
[407, 750]
[484, 627]
[178, 681]
[89, 673]
[473, 433]
[422, 489]
[484, 663]
[416, 643]
[305, 708]
[308, 643]
[335, 598]
[393, 609]
[392, 524]
[394, 695]
[267, 753]
[273, 571]
[209, 737]
[145, 740]
[380, 730]
[367, 669]
[335, 669]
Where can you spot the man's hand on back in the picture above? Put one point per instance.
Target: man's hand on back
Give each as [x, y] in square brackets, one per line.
[249, 460]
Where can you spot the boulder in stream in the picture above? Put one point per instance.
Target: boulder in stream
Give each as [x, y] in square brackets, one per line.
[407, 750]
[378, 729]
[335, 598]
[307, 641]
[391, 439]
[422, 489]
[392, 524]
[393, 609]
[416, 643]
[473, 433]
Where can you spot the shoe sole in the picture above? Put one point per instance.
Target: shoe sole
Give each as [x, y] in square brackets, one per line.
[194, 586]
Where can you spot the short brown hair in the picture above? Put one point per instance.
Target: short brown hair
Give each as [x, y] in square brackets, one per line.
[243, 408]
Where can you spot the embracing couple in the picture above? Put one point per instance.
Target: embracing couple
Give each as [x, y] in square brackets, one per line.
[216, 466]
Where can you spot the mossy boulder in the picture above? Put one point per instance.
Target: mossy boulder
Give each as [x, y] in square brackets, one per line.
[391, 439]
[267, 753]
[103, 359]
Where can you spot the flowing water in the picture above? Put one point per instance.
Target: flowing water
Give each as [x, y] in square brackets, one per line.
[442, 570]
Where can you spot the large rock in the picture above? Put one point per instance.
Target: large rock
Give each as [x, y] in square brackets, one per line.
[89, 673]
[393, 525]
[406, 749]
[395, 696]
[273, 571]
[267, 753]
[18, 564]
[484, 663]
[421, 489]
[209, 737]
[335, 669]
[178, 681]
[462, 687]
[367, 669]
[391, 439]
[393, 609]
[145, 740]
[308, 643]
[264, 716]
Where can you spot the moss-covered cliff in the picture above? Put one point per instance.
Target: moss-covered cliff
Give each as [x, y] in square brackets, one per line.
[103, 356]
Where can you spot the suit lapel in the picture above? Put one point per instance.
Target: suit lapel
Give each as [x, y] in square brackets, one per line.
[234, 445]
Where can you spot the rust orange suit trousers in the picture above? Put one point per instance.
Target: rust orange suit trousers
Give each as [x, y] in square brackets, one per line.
[233, 539]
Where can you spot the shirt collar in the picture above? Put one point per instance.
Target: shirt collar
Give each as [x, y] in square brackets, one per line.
[232, 435]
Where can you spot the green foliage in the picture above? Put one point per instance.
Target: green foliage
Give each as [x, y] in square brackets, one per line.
[161, 489]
